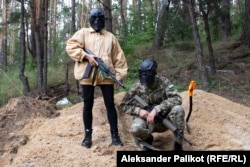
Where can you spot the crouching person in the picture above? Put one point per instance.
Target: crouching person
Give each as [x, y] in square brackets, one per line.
[163, 101]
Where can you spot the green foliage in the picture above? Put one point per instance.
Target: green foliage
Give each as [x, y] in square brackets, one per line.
[177, 29]
[10, 85]
[237, 18]
[56, 74]
[128, 83]
[181, 87]
[182, 45]
[213, 84]
[133, 68]
[214, 29]
[130, 43]
[14, 17]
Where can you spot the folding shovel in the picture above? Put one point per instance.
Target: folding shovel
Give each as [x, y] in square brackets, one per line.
[190, 93]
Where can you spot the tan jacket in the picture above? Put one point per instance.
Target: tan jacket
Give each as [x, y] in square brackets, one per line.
[104, 45]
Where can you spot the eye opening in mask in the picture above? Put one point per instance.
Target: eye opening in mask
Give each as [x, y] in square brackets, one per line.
[146, 72]
[97, 17]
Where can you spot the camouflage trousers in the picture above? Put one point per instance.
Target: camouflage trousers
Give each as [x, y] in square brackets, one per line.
[140, 129]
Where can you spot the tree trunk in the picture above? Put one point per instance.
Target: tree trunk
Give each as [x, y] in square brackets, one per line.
[73, 16]
[161, 25]
[108, 15]
[52, 30]
[184, 11]
[31, 44]
[225, 20]
[3, 42]
[83, 15]
[245, 37]
[123, 13]
[210, 47]
[39, 16]
[73, 29]
[13, 34]
[207, 31]
[44, 46]
[22, 61]
[139, 15]
[199, 52]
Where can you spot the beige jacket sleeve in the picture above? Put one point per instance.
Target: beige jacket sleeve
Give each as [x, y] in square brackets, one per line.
[75, 45]
[119, 61]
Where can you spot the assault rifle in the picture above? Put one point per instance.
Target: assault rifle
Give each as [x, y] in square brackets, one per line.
[159, 118]
[103, 67]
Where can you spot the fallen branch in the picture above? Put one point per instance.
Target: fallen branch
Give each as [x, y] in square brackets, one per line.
[8, 114]
[225, 71]
[240, 56]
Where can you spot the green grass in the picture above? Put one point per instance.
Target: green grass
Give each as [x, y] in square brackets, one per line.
[10, 85]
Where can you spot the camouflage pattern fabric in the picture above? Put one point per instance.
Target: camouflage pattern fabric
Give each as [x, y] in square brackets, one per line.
[164, 98]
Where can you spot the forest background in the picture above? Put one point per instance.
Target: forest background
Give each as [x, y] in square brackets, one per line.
[33, 35]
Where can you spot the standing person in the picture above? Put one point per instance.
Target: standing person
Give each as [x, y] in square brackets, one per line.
[105, 46]
[157, 91]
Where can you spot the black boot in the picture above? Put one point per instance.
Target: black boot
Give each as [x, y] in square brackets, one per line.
[149, 140]
[177, 146]
[115, 138]
[87, 140]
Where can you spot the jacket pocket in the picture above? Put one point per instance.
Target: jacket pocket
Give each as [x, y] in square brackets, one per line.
[79, 69]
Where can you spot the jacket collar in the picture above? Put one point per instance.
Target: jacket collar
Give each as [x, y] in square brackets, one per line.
[93, 31]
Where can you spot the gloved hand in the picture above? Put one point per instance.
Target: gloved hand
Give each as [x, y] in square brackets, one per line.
[159, 117]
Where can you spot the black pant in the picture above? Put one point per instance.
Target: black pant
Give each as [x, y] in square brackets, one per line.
[88, 99]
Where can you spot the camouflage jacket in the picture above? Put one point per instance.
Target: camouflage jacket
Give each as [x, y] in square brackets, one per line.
[161, 95]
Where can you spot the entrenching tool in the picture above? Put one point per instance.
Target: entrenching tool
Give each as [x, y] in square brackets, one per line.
[190, 93]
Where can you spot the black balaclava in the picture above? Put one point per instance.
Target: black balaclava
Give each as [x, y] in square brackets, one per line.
[147, 72]
[97, 19]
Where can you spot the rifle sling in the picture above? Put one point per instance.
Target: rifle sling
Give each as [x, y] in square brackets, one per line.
[94, 75]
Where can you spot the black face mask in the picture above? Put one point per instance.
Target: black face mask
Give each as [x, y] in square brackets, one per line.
[147, 72]
[147, 77]
[96, 19]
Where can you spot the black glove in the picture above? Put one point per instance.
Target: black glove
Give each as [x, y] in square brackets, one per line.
[159, 117]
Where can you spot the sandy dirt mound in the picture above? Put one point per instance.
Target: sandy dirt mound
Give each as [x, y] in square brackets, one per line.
[216, 124]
